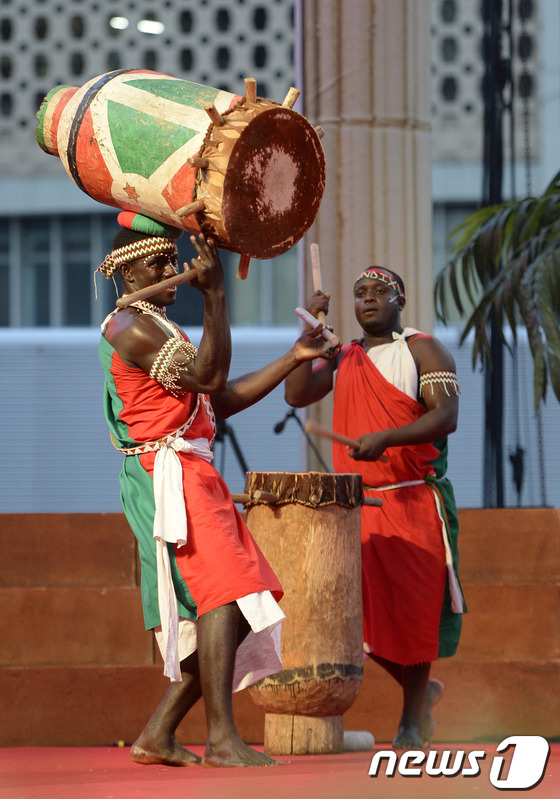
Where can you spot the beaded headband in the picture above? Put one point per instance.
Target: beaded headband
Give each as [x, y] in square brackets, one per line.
[138, 249]
[375, 273]
[162, 240]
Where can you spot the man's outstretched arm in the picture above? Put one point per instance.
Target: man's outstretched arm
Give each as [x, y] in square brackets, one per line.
[242, 392]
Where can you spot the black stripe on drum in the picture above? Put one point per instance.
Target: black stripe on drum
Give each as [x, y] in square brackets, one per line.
[87, 99]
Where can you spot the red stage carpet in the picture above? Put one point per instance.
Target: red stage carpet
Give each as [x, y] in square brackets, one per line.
[108, 773]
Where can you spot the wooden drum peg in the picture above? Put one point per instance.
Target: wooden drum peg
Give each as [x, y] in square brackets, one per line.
[250, 90]
[191, 208]
[243, 268]
[198, 163]
[214, 114]
[256, 496]
[290, 98]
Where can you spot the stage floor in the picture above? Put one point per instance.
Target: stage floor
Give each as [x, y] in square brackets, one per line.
[108, 773]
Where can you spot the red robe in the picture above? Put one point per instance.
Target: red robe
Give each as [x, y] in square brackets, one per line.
[403, 556]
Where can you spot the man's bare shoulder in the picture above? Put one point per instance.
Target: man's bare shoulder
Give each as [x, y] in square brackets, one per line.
[430, 354]
[136, 337]
[127, 324]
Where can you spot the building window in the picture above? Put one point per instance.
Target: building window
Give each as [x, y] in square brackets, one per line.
[47, 274]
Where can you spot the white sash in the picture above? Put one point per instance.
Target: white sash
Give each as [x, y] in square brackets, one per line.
[170, 526]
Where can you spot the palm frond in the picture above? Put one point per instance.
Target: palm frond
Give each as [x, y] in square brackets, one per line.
[505, 262]
[547, 290]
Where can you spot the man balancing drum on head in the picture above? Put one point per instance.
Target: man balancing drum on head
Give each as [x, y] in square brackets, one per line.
[207, 590]
[396, 393]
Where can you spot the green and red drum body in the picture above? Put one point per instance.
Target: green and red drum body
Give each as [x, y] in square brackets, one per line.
[125, 138]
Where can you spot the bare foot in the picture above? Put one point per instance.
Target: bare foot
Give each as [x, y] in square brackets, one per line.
[434, 692]
[235, 754]
[149, 753]
[408, 737]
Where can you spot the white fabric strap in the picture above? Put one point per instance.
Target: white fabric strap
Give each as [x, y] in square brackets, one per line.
[170, 526]
[395, 362]
[395, 485]
[454, 588]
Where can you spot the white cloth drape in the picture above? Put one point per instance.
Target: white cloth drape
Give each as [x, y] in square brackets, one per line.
[258, 655]
[170, 526]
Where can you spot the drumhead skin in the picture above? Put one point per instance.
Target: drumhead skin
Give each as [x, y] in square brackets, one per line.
[273, 185]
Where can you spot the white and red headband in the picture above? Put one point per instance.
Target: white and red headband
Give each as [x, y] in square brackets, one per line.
[376, 273]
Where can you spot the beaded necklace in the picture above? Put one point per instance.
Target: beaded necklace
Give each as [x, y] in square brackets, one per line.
[149, 307]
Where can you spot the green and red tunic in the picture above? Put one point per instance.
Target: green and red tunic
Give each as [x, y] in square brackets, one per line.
[220, 562]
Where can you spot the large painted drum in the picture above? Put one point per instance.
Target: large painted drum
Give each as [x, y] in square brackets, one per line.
[308, 527]
[247, 171]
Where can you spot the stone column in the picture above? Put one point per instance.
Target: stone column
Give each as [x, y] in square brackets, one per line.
[366, 67]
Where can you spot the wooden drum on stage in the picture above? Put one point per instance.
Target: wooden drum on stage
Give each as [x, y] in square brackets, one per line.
[310, 534]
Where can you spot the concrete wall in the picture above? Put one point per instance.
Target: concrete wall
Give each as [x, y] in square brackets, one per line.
[77, 668]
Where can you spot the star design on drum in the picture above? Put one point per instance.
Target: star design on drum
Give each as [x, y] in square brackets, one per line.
[131, 191]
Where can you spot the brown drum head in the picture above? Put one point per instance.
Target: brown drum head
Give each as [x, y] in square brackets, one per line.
[274, 183]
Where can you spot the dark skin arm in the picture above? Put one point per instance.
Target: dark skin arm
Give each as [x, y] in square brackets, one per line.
[242, 392]
[441, 417]
[309, 383]
[139, 337]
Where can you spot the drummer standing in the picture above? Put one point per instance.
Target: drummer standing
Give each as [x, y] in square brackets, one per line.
[396, 393]
[207, 590]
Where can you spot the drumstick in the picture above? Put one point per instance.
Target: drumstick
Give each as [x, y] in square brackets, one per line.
[316, 273]
[312, 322]
[319, 430]
[148, 291]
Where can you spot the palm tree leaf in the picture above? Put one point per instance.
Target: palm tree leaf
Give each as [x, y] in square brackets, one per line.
[529, 311]
[506, 259]
[547, 290]
[539, 374]
[554, 185]
[454, 285]
[471, 283]
[518, 226]
[447, 278]
[481, 349]
[470, 226]
[508, 302]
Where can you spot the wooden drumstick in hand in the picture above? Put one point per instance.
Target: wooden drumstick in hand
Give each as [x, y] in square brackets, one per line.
[312, 322]
[319, 430]
[316, 273]
[155, 288]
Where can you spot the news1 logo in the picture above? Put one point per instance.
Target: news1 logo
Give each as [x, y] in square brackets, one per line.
[526, 769]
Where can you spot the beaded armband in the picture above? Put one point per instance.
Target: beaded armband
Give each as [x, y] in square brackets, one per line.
[166, 370]
[443, 381]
